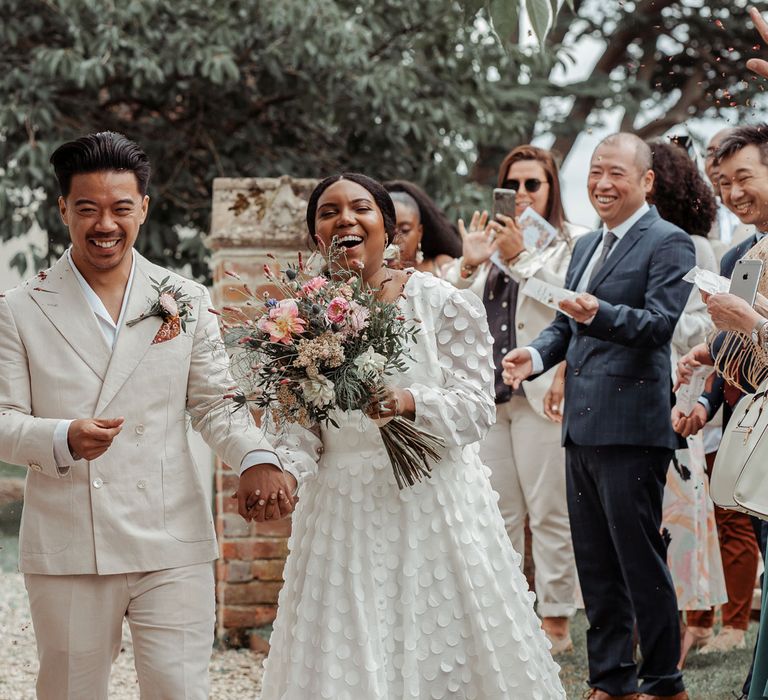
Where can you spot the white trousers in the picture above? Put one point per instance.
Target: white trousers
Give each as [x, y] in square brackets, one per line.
[78, 627]
[528, 471]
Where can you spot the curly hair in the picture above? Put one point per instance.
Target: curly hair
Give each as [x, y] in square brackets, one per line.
[680, 193]
[440, 236]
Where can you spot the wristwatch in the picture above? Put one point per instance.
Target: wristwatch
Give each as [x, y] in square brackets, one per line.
[759, 332]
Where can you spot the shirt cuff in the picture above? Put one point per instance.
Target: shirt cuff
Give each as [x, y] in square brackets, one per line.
[704, 401]
[61, 454]
[259, 457]
[536, 361]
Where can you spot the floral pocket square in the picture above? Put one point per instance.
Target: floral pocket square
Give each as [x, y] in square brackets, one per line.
[168, 331]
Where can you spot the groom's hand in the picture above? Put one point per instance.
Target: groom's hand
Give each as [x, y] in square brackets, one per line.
[265, 493]
[89, 438]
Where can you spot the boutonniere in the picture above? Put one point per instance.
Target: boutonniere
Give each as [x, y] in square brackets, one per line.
[172, 305]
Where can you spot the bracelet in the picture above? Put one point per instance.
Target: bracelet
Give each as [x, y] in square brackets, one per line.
[467, 270]
[762, 335]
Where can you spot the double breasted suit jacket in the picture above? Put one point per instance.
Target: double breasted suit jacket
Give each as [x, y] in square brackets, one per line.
[618, 388]
[141, 505]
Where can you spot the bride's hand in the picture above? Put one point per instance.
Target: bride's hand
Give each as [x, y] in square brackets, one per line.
[390, 402]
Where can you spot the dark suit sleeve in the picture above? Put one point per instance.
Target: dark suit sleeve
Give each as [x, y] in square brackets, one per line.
[552, 342]
[714, 397]
[665, 297]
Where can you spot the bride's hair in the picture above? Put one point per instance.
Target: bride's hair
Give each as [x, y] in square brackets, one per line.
[379, 194]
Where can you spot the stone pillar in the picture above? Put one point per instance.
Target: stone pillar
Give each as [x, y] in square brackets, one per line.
[251, 217]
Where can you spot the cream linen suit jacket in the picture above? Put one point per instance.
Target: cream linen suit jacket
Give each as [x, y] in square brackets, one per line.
[531, 316]
[141, 505]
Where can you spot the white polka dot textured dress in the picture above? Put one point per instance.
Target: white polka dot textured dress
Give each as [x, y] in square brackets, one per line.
[412, 594]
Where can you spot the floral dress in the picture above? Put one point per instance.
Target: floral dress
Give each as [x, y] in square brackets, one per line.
[417, 593]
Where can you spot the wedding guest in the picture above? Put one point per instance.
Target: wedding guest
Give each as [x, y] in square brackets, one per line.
[99, 379]
[414, 593]
[727, 230]
[426, 239]
[683, 198]
[619, 442]
[743, 167]
[523, 447]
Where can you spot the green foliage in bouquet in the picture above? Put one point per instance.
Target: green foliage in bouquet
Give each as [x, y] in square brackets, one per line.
[329, 344]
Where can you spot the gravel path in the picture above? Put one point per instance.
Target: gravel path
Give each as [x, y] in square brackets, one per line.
[234, 674]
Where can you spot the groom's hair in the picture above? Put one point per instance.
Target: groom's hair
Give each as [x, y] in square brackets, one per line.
[743, 136]
[99, 152]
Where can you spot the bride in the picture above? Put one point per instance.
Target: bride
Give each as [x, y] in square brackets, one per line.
[417, 593]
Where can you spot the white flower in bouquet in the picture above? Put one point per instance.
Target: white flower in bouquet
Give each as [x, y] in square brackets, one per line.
[370, 362]
[318, 391]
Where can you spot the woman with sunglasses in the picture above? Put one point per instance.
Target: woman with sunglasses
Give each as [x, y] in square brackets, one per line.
[523, 448]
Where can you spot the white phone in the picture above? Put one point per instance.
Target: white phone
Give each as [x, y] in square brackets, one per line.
[745, 278]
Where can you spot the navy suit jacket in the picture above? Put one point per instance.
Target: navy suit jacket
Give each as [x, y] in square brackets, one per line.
[618, 382]
[715, 395]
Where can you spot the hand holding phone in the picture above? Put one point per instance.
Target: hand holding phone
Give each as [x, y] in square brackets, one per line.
[503, 202]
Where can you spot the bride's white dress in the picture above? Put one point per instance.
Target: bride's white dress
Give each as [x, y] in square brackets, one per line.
[417, 593]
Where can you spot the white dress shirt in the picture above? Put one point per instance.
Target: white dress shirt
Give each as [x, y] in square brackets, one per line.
[109, 330]
[620, 230]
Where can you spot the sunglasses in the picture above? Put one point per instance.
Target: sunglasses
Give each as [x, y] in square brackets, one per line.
[532, 184]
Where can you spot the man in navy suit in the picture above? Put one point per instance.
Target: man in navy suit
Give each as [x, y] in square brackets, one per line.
[617, 430]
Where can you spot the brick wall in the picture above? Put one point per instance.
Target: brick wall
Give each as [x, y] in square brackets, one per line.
[250, 219]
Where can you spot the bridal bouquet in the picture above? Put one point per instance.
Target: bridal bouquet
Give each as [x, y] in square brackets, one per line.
[328, 343]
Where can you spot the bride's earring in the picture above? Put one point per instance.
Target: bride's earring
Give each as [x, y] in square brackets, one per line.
[419, 255]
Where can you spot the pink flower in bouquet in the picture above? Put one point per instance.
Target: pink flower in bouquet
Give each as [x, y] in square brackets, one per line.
[283, 322]
[168, 304]
[314, 285]
[337, 310]
[358, 317]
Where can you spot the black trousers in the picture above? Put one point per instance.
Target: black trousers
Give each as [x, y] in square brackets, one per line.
[614, 502]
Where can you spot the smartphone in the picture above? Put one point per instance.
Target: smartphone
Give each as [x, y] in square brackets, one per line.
[745, 278]
[504, 202]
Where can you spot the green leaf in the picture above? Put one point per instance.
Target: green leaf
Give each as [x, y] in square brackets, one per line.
[539, 14]
[505, 18]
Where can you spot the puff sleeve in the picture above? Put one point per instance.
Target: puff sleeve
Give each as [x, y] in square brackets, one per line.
[459, 405]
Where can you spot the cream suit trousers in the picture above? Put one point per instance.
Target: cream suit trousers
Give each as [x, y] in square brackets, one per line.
[528, 471]
[78, 626]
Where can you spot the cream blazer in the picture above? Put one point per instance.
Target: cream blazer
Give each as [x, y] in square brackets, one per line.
[141, 505]
[531, 317]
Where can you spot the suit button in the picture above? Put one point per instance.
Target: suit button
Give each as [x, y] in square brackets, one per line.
[36, 467]
[504, 350]
[576, 372]
[139, 429]
[141, 484]
[504, 326]
[520, 326]
[504, 304]
[97, 483]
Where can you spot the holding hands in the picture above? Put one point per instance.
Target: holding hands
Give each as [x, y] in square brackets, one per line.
[265, 493]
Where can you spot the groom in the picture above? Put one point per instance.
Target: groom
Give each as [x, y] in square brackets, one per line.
[115, 521]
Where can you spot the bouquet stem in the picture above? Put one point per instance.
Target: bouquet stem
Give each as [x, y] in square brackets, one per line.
[410, 450]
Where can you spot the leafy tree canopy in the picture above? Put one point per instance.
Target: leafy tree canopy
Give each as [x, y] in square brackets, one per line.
[239, 88]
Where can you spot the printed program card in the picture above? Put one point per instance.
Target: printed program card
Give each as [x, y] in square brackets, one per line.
[707, 281]
[538, 233]
[547, 294]
[688, 394]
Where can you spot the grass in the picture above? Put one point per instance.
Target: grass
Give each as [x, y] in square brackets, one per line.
[709, 677]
